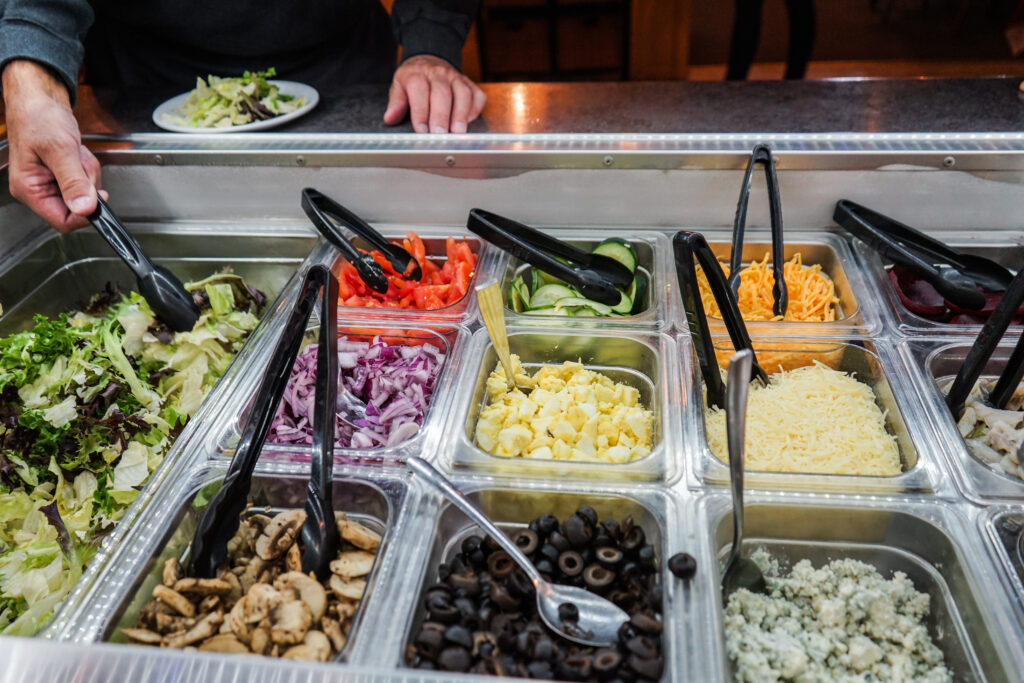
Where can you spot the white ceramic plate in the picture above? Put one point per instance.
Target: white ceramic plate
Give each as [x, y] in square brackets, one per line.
[286, 87]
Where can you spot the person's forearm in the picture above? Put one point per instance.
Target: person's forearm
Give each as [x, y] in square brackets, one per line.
[48, 32]
[23, 79]
[433, 27]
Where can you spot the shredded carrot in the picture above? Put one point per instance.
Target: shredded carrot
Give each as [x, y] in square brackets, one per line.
[812, 296]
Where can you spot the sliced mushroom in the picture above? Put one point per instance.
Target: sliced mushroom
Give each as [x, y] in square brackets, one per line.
[293, 559]
[260, 640]
[290, 620]
[251, 575]
[142, 635]
[172, 572]
[350, 589]
[279, 534]
[202, 586]
[224, 642]
[333, 632]
[171, 623]
[206, 627]
[236, 586]
[209, 604]
[259, 601]
[358, 535]
[175, 600]
[353, 564]
[314, 648]
[308, 589]
[147, 617]
[237, 620]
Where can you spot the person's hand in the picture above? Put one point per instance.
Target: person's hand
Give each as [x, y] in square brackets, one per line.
[51, 172]
[436, 95]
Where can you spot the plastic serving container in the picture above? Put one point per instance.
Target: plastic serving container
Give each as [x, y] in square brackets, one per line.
[135, 567]
[1003, 530]
[434, 240]
[927, 542]
[873, 363]
[643, 360]
[857, 309]
[514, 508]
[653, 252]
[939, 360]
[1003, 246]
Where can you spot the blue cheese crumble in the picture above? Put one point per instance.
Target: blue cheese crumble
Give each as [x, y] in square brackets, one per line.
[841, 622]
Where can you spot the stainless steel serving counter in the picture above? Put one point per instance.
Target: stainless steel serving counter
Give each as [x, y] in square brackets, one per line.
[938, 520]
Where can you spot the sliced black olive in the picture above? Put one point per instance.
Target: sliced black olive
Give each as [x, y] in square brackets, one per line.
[468, 582]
[500, 597]
[567, 611]
[633, 540]
[611, 526]
[602, 539]
[651, 668]
[527, 540]
[471, 544]
[543, 649]
[499, 564]
[559, 541]
[544, 566]
[444, 570]
[576, 667]
[490, 545]
[550, 552]
[518, 583]
[626, 632]
[546, 524]
[570, 563]
[609, 557]
[430, 638]
[441, 609]
[654, 598]
[597, 577]
[468, 616]
[459, 635]
[540, 670]
[477, 558]
[683, 565]
[578, 531]
[588, 513]
[642, 646]
[454, 659]
[645, 623]
[646, 556]
[606, 661]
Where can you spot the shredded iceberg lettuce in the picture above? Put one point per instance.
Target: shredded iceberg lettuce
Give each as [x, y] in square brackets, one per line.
[225, 102]
[89, 406]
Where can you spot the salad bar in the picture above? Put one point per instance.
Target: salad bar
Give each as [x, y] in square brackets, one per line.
[884, 528]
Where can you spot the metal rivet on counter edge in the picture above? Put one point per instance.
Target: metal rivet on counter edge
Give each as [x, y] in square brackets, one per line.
[300, 160]
[449, 160]
[608, 160]
[158, 159]
[949, 162]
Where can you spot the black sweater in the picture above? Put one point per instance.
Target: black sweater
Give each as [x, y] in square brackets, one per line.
[159, 43]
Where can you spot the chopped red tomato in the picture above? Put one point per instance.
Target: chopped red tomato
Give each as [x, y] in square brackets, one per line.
[439, 286]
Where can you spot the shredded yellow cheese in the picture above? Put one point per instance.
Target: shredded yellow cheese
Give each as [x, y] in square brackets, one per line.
[812, 295]
[811, 420]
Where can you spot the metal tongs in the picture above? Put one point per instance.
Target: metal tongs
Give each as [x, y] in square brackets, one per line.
[595, 276]
[687, 246]
[220, 520]
[761, 154]
[164, 293]
[954, 274]
[321, 209]
[983, 348]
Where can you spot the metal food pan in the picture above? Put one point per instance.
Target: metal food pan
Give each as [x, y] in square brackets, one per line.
[940, 360]
[916, 540]
[1002, 246]
[642, 360]
[375, 501]
[869, 362]
[514, 508]
[1003, 529]
[857, 309]
[449, 339]
[434, 241]
[62, 271]
[652, 249]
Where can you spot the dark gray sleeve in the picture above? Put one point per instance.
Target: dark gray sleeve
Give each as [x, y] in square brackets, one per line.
[433, 27]
[50, 33]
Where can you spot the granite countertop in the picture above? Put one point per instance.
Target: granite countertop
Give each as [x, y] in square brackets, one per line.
[853, 105]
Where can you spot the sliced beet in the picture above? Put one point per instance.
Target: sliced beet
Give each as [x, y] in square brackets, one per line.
[917, 295]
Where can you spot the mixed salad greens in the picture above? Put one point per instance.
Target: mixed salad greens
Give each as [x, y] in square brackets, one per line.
[89, 406]
[535, 292]
[225, 102]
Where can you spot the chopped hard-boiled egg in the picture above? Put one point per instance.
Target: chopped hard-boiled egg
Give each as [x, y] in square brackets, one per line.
[572, 413]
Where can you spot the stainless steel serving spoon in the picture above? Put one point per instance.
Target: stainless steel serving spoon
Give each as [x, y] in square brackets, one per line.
[599, 619]
[740, 572]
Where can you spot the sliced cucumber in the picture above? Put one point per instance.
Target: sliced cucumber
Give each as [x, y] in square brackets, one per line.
[536, 279]
[638, 291]
[625, 304]
[549, 294]
[595, 306]
[549, 310]
[549, 279]
[515, 301]
[620, 250]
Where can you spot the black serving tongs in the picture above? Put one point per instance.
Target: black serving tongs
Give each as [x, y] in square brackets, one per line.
[687, 246]
[983, 348]
[164, 293]
[320, 532]
[761, 154]
[321, 209]
[954, 274]
[595, 276]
